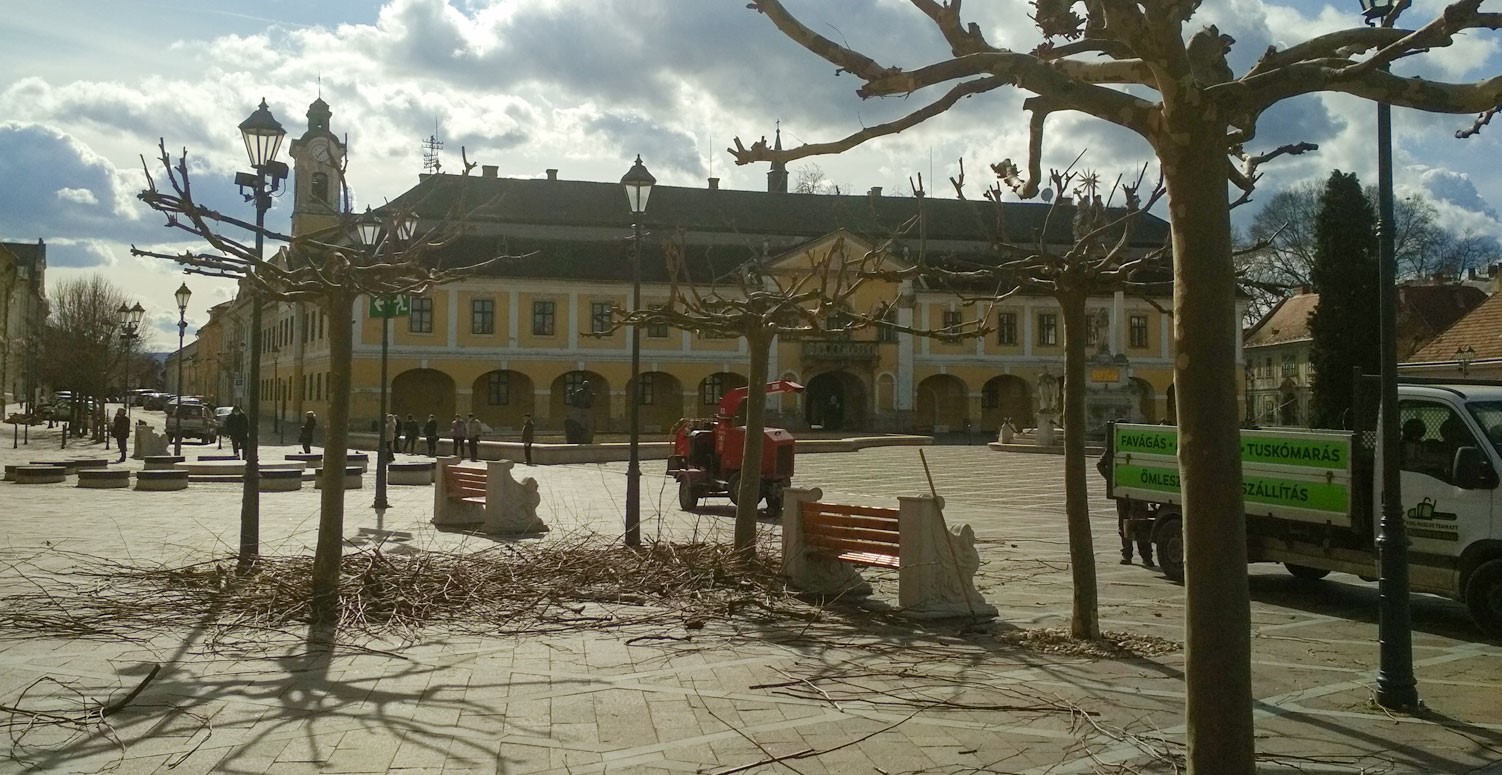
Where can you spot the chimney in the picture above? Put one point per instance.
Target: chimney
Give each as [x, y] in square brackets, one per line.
[490, 171]
[714, 184]
[553, 175]
[875, 192]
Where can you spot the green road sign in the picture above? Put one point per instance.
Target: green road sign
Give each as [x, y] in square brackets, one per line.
[391, 307]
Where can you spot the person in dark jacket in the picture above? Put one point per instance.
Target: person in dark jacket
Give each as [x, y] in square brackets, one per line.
[528, 432]
[120, 429]
[430, 433]
[305, 433]
[1106, 466]
[237, 428]
[411, 429]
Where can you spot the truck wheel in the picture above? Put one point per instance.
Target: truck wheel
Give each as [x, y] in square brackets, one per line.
[733, 485]
[1168, 540]
[1483, 595]
[772, 491]
[1305, 572]
[688, 496]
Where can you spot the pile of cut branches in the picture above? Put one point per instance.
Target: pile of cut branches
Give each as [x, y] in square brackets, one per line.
[533, 587]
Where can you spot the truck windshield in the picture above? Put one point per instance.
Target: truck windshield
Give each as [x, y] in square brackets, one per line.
[1488, 415]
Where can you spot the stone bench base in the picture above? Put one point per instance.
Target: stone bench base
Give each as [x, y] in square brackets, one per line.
[281, 480]
[162, 462]
[103, 478]
[162, 480]
[353, 480]
[410, 473]
[35, 474]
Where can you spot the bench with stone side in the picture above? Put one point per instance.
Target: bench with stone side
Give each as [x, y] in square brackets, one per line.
[488, 497]
[162, 480]
[825, 544]
[280, 479]
[353, 479]
[40, 474]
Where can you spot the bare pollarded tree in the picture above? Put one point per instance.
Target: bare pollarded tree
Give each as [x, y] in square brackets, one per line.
[1136, 64]
[377, 255]
[807, 295]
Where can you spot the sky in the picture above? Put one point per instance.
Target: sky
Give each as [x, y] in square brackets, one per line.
[89, 87]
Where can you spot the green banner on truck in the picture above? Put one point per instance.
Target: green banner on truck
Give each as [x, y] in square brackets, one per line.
[1285, 448]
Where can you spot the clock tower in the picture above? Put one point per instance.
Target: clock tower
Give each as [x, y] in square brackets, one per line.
[317, 157]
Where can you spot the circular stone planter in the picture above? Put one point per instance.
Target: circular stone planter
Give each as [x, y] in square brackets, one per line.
[43, 474]
[281, 479]
[353, 480]
[217, 458]
[162, 462]
[69, 467]
[410, 473]
[162, 480]
[103, 478]
[311, 458]
[92, 462]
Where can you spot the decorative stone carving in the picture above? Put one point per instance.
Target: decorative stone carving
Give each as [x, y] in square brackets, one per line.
[807, 571]
[147, 443]
[937, 576]
[510, 506]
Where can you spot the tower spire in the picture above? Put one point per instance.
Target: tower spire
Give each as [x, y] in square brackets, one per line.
[777, 177]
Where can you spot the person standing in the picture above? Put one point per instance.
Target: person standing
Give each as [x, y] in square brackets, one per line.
[458, 429]
[411, 429]
[237, 427]
[474, 429]
[305, 433]
[430, 430]
[528, 432]
[120, 429]
[389, 435]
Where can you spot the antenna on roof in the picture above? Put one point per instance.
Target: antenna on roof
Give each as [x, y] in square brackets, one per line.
[430, 149]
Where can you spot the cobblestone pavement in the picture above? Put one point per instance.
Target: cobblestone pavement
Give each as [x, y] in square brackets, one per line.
[857, 693]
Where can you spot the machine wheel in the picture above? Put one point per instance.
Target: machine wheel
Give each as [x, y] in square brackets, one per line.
[1483, 595]
[688, 496]
[1168, 540]
[1305, 572]
[733, 486]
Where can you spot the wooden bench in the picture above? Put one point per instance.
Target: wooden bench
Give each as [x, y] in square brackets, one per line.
[467, 485]
[825, 544]
[860, 535]
[486, 497]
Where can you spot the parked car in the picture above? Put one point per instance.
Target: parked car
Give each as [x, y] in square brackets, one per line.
[192, 421]
[156, 401]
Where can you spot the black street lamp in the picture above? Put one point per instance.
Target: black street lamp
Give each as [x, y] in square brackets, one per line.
[1463, 358]
[263, 138]
[368, 230]
[638, 183]
[130, 326]
[183, 295]
[1396, 687]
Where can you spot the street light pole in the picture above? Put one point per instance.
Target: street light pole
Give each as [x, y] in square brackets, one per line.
[130, 325]
[263, 137]
[1396, 686]
[638, 184]
[1463, 358]
[183, 294]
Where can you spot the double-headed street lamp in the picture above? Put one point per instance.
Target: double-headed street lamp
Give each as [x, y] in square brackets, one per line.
[368, 229]
[1463, 358]
[130, 327]
[1396, 687]
[263, 138]
[183, 295]
[638, 183]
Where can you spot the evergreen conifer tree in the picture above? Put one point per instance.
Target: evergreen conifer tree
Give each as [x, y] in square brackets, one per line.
[1345, 328]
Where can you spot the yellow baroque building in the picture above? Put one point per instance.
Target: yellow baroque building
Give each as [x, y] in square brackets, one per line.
[517, 338]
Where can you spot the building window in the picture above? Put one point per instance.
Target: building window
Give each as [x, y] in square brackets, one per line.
[951, 320]
[657, 330]
[498, 388]
[542, 318]
[1006, 328]
[599, 317]
[482, 316]
[1137, 330]
[420, 321]
[712, 389]
[574, 380]
[885, 332]
[1290, 366]
[990, 397]
[646, 389]
[320, 187]
[1048, 329]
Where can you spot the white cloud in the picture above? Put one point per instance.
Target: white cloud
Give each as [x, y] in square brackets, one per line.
[80, 196]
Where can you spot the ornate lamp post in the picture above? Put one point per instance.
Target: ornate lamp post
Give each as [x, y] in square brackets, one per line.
[1463, 357]
[638, 183]
[368, 229]
[263, 138]
[130, 326]
[183, 295]
[1396, 687]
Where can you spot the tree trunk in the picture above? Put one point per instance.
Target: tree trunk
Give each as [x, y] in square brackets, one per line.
[329, 554]
[759, 343]
[1085, 619]
[1217, 611]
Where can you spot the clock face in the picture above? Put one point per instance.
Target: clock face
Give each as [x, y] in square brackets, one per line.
[321, 151]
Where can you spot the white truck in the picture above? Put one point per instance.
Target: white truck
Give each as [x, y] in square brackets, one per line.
[1313, 498]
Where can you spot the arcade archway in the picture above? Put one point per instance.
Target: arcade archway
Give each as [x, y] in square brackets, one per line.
[836, 401]
[941, 403]
[1006, 398]
[421, 392]
[502, 398]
